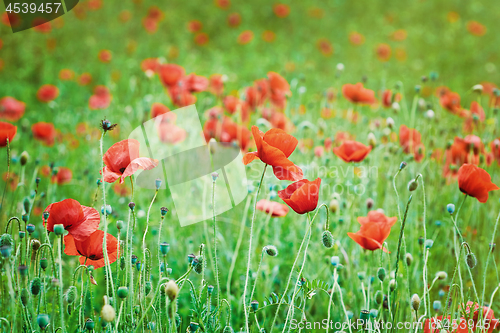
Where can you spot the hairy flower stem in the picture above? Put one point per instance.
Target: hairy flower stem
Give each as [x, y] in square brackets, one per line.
[258, 271]
[143, 269]
[245, 309]
[61, 310]
[8, 174]
[216, 264]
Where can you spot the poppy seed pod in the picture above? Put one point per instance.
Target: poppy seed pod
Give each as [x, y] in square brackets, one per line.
[271, 250]
[381, 273]
[89, 324]
[158, 184]
[471, 260]
[24, 158]
[44, 263]
[164, 248]
[131, 205]
[22, 234]
[122, 292]
[171, 290]
[30, 228]
[441, 275]
[379, 297]
[119, 224]
[415, 302]
[478, 88]
[436, 306]
[450, 208]
[327, 239]
[42, 320]
[361, 276]
[210, 290]
[335, 261]
[59, 229]
[108, 313]
[36, 285]
[215, 175]
[255, 305]
[428, 243]
[164, 211]
[364, 316]
[133, 259]
[23, 270]
[402, 165]
[71, 294]
[193, 327]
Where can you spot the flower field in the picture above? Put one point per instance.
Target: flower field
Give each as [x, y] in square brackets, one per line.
[230, 166]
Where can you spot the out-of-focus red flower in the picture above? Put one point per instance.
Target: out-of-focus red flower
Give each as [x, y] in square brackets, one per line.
[11, 109]
[462, 151]
[302, 196]
[63, 176]
[105, 56]
[125, 15]
[375, 228]
[319, 151]
[168, 131]
[181, 96]
[476, 28]
[232, 104]
[201, 38]
[7, 131]
[495, 149]
[272, 207]
[281, 10]
[234, 20]
[194, 26]
[121, 189]
[90, 249]
[150, 65]
[273, 148]
[216, 84]
[356, 38]
[245, 37]
[399, 35]
[383, 52]
[474, 118]
[194, 83]
[388, 98]
[44, 132]
[47, 93]
[94, 5]
[170, 74]
[279, 89]
[158, 109]
[66, 74]
[12, 179]
[450, 101]
[356, 93]
[11, 19]
[411, 141]
[155, 13]
[222, 4]
[80, 221]
[100, 99]
[475, 182]
[268, 36]
[352, 151]
[325, 47]
[226, 131]
[150, 24]
[487, 319]
[41, 25]
[84, 79]
[122, 160]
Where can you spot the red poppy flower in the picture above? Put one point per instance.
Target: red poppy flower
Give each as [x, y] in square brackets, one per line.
[100, 99]
[216, 84]
[84, 79]
[47, 93]
[268, 36]
[495, 149]
[272, 207]
[44, 132]
[7, 131]
[281, 10]
[356, 93]
[488, 317]
[80, 221]
[476, 182]
[352, 151]
[158, 109]
[388, 99]
[66, 74]
[90, 249]
[170, 74]
[201, 38]
[122, 160]
[63, 176]
[150, 65]
[194, 26]
[12, 179]
[181, 96]
[121, 190]
[462, 151]
[375, 228]
[11, 109]
[301, 196]
[234, 20]
[383, 52]
[195, 83]
[245, 37]
[171, 133]
[476, 28]
[274, 148]
[105, 56]
[356, 38]
[325, 47]
[226, 131]
[450, 101]
[474, 117]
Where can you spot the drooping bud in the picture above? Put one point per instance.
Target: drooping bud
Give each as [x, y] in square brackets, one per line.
[415, 302]
[71, 294]
[409, 259]
[24, 158]
[271, 250]
[471, 260]
[334, 205]
[36, 285]
[450, 208]
[171, 289]
[381, 273]
[379, 297]
[441, 275]
[412, 185]
[327, 239]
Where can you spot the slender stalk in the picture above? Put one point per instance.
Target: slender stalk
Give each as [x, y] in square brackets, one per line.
[258, 271]
[143, 269]
[216, 264]
[61, 310]
[331, 298]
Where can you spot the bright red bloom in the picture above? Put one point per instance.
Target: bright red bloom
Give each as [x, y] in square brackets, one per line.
[122, 160]
[216, 84]
[356, 93]
[272, 207]
[80, 221]
[352, 151]
[234, 20]
[476, 28]
[11, 109]
[170, 74]
[195, 83]
[462, 151]
[7, 131]
[450, 101]
[100, 99]
[12, 179]
[474, 117]
[181, 96]
[84, 79]
[63, 176]
[245, 37]
[66, 74]
[150, 65]
[194, 26]
[105, 56]
[47, 93]
[273, 148]
[388, 99]
[278, 87]
[475, 182]
[375, 228]
[90, 249]
[281, 10]
[158, 109]
[495, 149]
[410, 140]
[226, 131]
[301, 196]
[201, 38]
[383, 52]
[44, 132]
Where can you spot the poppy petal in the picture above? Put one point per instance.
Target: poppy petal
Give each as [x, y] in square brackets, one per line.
[144, 163]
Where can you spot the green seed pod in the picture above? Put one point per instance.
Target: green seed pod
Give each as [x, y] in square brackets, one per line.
[89, 324]
[379, 297]
[71, 294]
[6, 240]
[119, 224]
[327, 239]
[122, 292]
[415, 302]
[44, 263]
[24, 296]
[471, 260]
[381, 273]
[42, 320]
[36, 285]
[198, 268]
[255, 305]
[271, 250]
[59, 229]
[147, 288]
[24, 158]
[392, 284]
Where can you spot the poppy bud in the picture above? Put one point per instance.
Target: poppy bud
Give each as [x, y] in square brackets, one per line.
[134, 259]
[335, 261]
[396, 107]
[36, 285]
[108, 313]
[30, 228]
[421, 240]
[450, 208]
[409, 259]
[372, 140]
[369, 203]
[89, 324]
[164, 211]
[119, 224]
[171, 289]
[158, 184]
[168, 271]
[59, 229]
[381, 273]
[361, 276]
[417, 89]
[255, 305]
[271, 250]
[402, 165]
[24, 297]
[412, 185]
[436, 306]
[334, 205]
[23, 270]
[42, 320]
[22, 234]
[37, 180]
[193, 326]
[441, 293]
[138, 266]
[24, 158]
[45, 215]
[390, 122]
[26, 205]
[122, 292]
[441, 275]
[392, 285]
[147, 288]
[71, 294]
[415, 302]
[210, 290]
[164, 248]
[327, 239]
[191, 256]
[122, 263]
[131, 205]
[215, 175]
[477, 88]
[471, 260]
[379, 297]
[428, 243]
[98, 182]
[109, 210]
[340, 67]
[44, 263]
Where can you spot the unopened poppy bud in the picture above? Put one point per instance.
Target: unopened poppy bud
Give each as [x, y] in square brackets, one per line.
[255, 305]
[191, 257]
[436, 306]
[415, 302]
[372, 140]
[340, 67]
[138, 266]
[215, 175]
[42, 320]
[24, 296]
[198, 267]
[108, 313]
[164, 211]
[158, 184]
[22, 234]
[133, 259]
[54, 282]
[441, 275]
[409, 259]
[168, 271]
[361, 276]
[171, 289]
[71, 294]
[428, 243]
[471, 260]
[271, 250]
[364, 315]
[478, 88]
[369, 203]
[396, 107]
[423, 78]
[421, 240]
[24, 158]
[450, 208]
[327, 239]
[379, 297]
[381, 273]
[119, 224]
[37, 180]
[59, 229]
[23, 270]
[89, 324]
[334, 205]
[131, 205]
[36, 285]
[373, 313]
[44, 263]
[164, 248]
[412, 185]
[26, 205]
[122, 292]
[30, 228]
[109, 210]
[392, 285]
[335, 261]
[390, 122]
[210, 289]
[122, 263]
[402, 165]
[193, 326]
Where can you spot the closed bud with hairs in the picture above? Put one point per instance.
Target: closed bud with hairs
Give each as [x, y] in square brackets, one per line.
[171, 290]
[36, 286]
[441, 275]
[24, 296]
[381, 273]
[412, 185]
[71, 294]
[327, 239]
[379, 297]
[24, 158]
[271, 250]
[108, 313]
[415, 302]
[198, 268]
[471, 260]
[334, 205]
[147, 288]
